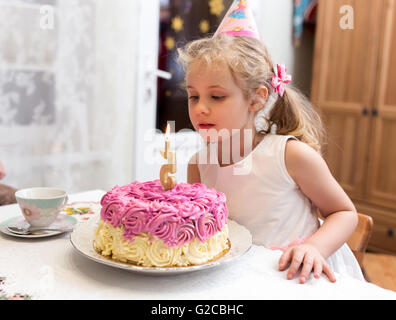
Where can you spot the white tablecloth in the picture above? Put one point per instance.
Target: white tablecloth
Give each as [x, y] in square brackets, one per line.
[50, 268]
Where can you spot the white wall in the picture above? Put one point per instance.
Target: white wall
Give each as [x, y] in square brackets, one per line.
[115, 85]
[274, 19]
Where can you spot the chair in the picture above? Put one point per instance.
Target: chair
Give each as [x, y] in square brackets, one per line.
[360, 238]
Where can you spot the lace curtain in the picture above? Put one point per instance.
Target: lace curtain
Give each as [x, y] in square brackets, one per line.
[67, 79]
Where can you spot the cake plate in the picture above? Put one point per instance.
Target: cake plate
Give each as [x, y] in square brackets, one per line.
[83, 236]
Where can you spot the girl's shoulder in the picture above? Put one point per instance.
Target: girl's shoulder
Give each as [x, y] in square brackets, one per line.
[302, 160]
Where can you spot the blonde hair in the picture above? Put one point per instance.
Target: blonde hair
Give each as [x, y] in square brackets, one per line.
[252, 67]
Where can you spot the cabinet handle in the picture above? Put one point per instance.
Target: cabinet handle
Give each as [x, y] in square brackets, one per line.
[390, 233]
[374, 112]
[365, 111]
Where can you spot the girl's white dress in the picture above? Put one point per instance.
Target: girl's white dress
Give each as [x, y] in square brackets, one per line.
[263, 197]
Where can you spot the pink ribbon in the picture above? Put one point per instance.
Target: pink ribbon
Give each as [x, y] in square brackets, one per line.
[282, 78]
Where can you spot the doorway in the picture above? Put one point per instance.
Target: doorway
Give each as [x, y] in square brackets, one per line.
[181, 21]
[167, 25]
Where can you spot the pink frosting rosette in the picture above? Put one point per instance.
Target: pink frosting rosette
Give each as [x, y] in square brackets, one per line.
[152, 185]
[169, 208]
[220, 213]
[205, 227]
[109, 196]
[135, 218]
[207, 198]
[153, 195]
[164, 227]
[188, 191]
[135, 193]
[112, 212]
[185, 233]
[177, 198]
[155, 206]
[191, 210]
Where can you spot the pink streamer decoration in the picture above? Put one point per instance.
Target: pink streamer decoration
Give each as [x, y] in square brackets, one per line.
[281, 79]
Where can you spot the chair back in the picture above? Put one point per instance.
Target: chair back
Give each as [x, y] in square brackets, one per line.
[360, 237]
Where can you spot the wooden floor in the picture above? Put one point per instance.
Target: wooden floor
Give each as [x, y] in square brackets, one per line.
[381, 269]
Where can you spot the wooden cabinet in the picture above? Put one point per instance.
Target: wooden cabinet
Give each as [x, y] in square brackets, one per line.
[354, 87]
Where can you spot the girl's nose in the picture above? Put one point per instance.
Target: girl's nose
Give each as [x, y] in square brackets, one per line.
[202, 108]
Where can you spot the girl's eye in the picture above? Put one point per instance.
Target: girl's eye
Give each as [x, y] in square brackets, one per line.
[218, 97]
[192, 97]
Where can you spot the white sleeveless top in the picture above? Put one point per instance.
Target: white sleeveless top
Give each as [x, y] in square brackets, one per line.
[266, 200]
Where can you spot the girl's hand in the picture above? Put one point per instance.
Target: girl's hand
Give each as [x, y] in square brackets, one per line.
[2, 171]
[309, 258]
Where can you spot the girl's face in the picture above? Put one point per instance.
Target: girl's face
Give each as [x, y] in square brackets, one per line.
[215, 100]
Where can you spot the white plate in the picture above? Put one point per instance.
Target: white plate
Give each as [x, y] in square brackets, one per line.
[62, 222]
[82, 240]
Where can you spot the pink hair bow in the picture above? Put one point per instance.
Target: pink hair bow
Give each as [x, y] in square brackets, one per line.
[282, 78]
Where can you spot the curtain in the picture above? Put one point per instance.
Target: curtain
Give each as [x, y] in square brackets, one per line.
[67, 79]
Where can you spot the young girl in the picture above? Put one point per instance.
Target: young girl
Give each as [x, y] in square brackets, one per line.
[230, 81]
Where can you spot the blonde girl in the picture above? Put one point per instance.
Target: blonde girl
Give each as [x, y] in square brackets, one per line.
[233, 86]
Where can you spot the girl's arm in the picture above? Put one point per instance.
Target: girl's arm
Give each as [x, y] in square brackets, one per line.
[310, 172]
[193, 175]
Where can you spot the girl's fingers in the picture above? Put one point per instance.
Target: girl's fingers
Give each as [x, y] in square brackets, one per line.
[318, 267]
[284, 259]
[327, 270]
[307, 268]
[298, 257]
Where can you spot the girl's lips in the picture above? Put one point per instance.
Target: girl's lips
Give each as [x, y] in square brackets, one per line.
[206, 126]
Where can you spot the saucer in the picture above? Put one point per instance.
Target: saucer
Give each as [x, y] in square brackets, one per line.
[61, 222]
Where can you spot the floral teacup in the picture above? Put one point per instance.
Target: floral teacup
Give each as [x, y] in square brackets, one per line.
[41, 206]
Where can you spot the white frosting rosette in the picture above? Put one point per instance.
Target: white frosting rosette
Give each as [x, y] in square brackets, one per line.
[160, 255]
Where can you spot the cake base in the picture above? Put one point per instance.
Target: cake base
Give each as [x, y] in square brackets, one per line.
[132, 263]
[146, 250]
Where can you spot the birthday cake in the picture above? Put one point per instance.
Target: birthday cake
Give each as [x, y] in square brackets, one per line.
[142, 224]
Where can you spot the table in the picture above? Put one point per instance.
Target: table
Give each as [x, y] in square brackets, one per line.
[50, 268]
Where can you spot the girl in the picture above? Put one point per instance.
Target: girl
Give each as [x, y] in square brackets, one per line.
[232, 86]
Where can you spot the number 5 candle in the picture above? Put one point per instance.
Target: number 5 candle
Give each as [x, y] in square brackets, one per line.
[167, 181]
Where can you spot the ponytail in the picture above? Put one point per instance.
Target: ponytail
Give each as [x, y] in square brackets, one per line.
[294, 115]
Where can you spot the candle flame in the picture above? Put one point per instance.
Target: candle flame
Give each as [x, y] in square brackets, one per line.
[167, 131]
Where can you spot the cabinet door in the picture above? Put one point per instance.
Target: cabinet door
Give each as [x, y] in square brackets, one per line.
[342, 87]
[382, 167]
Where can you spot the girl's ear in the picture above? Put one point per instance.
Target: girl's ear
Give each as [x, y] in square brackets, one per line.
[259, 100]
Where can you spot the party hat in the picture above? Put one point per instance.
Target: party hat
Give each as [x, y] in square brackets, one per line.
[239, 21]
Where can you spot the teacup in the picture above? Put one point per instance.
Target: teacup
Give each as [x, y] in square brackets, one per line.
[41, 206]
